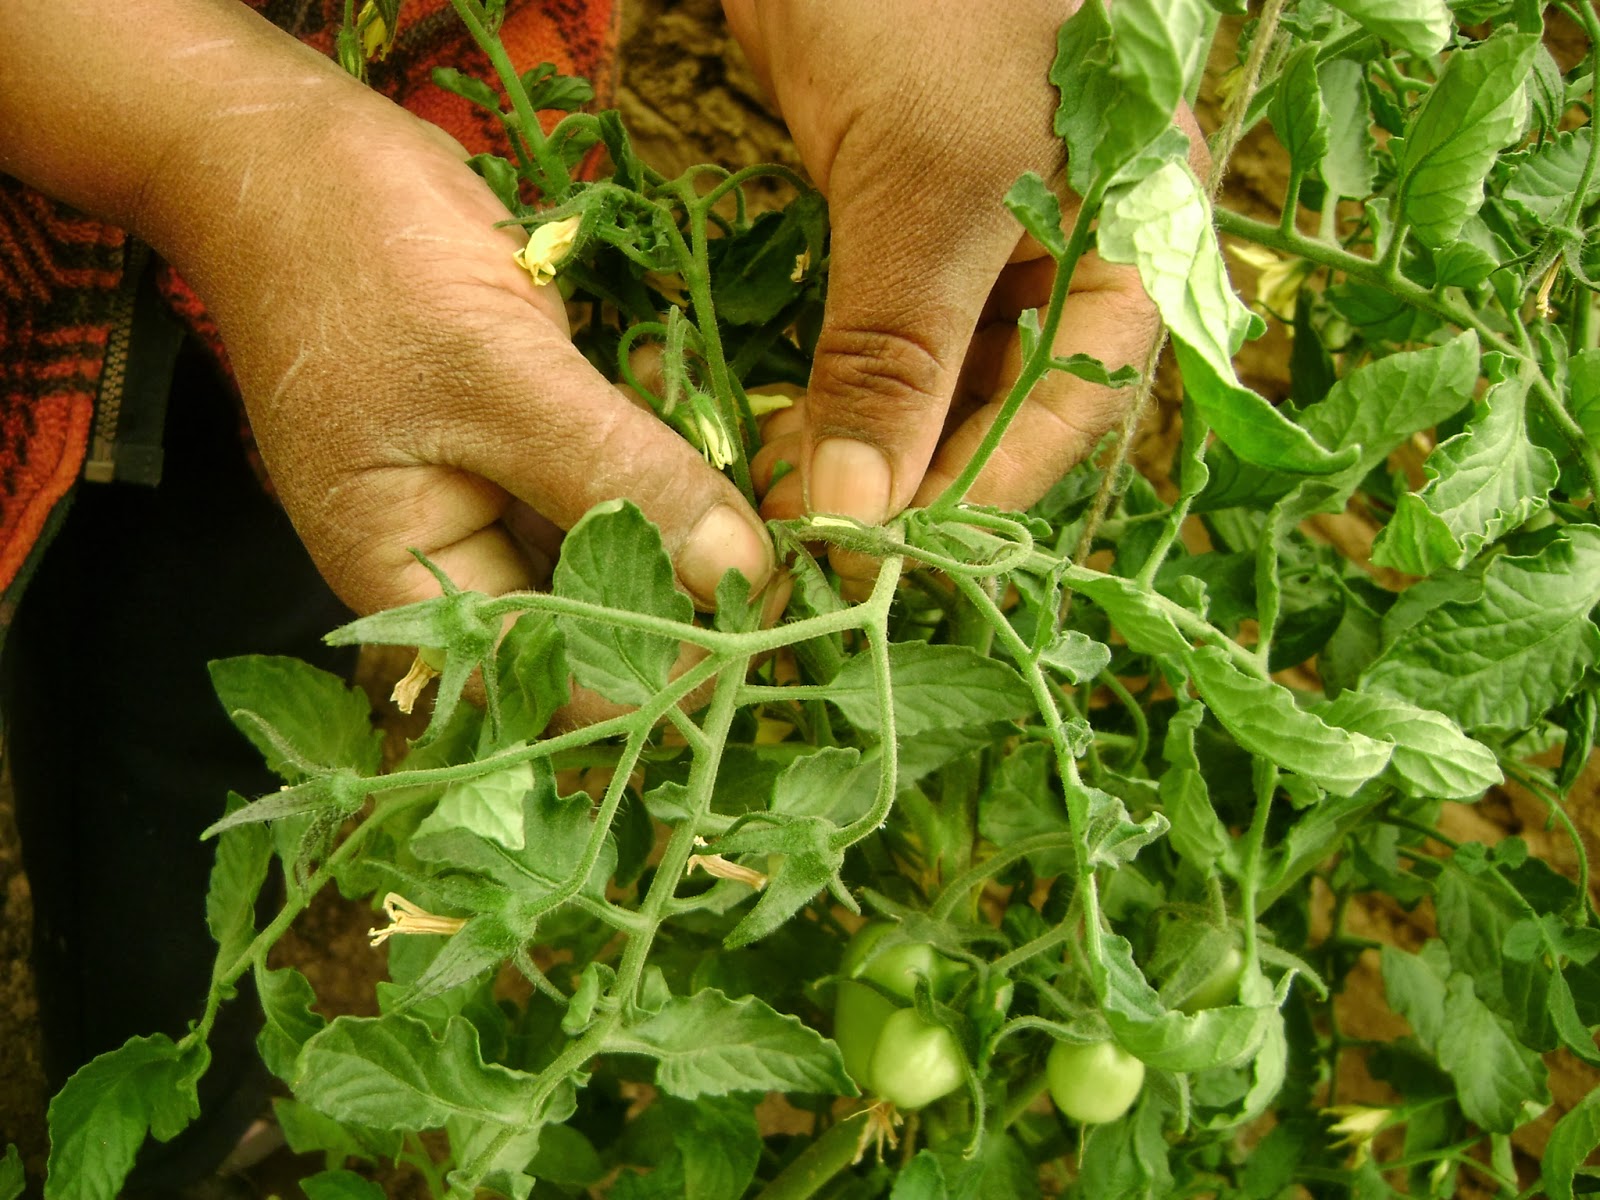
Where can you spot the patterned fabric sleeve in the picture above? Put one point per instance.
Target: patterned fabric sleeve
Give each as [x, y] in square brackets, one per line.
[61, 274]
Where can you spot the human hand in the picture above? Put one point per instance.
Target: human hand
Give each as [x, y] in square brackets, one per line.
[408, 384]
[915, 118]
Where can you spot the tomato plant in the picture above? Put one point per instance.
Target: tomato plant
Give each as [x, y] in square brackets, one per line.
[1123, 773]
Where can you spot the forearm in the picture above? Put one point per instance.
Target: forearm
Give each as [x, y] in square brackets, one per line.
[166, 116]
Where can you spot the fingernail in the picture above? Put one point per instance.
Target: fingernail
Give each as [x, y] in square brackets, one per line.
[724, 538]
[850, 479]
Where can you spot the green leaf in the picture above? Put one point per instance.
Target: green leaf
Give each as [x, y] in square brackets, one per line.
[935, 687]
[808, 863]
[709, 1045]
[1571, 1142]
[309, 1132]
[1420, 26]
[243, 856]
[532, 665]
[923, 1178]
[340, 1185]
[392, 1073]
[1297, 113]
[1380, 405]
[301, 719]
[1076, 656]
[556, 830]
[1111, 837]
[613, 557]
[1082, 73]
[1263, 718]
[1197, 833]
[1495, 1074]
[1541, 181]
[708, 1150]
[1476, 917]
[1128, 1157]
[1432, 758]
[468, 87]
[1021, 801]
[833, 782]
[1349, 167]
[1152, 43]
[1035, 206]
[100, 1118]
[567, 1159]
[1139, 617]
[12, 1179]
[753, 272]
[1175, 1041]
[1476, 108]
[1485, 481]
[489, 805]
[1162, 225]
[289, 1022]
[1510, 649]
[999, 1170]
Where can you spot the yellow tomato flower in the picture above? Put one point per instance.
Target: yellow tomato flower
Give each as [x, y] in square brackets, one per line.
[377, 39]
[1358, 1125]
[1278, 280]
[762, 403]
[406, 917]
[548, 247]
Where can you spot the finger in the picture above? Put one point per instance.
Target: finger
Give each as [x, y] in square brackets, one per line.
[1107, 315]
[530, 420]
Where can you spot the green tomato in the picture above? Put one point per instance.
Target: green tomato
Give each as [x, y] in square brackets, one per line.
[859, 1014]
[1094, 1082]
[915, 1062]
[898, 968]
[1220, 985]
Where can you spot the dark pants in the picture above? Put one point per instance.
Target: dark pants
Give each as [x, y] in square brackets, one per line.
[120, 753]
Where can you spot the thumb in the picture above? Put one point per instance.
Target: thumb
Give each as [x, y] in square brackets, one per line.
[909, 272]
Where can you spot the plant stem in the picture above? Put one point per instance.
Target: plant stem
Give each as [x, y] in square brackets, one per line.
[1038, 364]
[554, 183]
[829, 1154]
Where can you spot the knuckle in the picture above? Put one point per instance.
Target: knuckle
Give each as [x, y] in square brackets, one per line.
[876, 374]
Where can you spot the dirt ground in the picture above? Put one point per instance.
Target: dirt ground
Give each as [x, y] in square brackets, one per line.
[687, 95]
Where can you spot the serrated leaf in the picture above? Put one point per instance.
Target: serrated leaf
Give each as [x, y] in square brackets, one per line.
[708, 1150]
[316, 717]
[1476, 108]
[556, 830]
[1482, 483]
[1038, 211]
[1381, 404]
[833, 782]
[340, 1185]
[1420, 26]
[1171, 1040]
[489, 806]
[613, 557]
[1152, 41]
[1076, 656]
[1263, 718]
[534, 682]
[709, 1045]
[1162, 225]
[1111, 837]
[1510, 649]
[1297, 112]
[1495, 1075]
[392, 1073]
[288, 1020]
[1541, 181]
[1021, 801]
[1432, 758]
[100, 1118]
[1349, 167]
[808, 863]
[935, 687]
[1141, 620]
[12, 1179]
[309, 1132]
[243, 856]
[1475, 916]
[1571, 1142]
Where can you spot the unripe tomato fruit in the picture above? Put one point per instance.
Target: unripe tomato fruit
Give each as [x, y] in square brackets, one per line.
[1094, 1082]
[1220, 986]
[859, 1014]
[898, 968]
[915, 1063]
